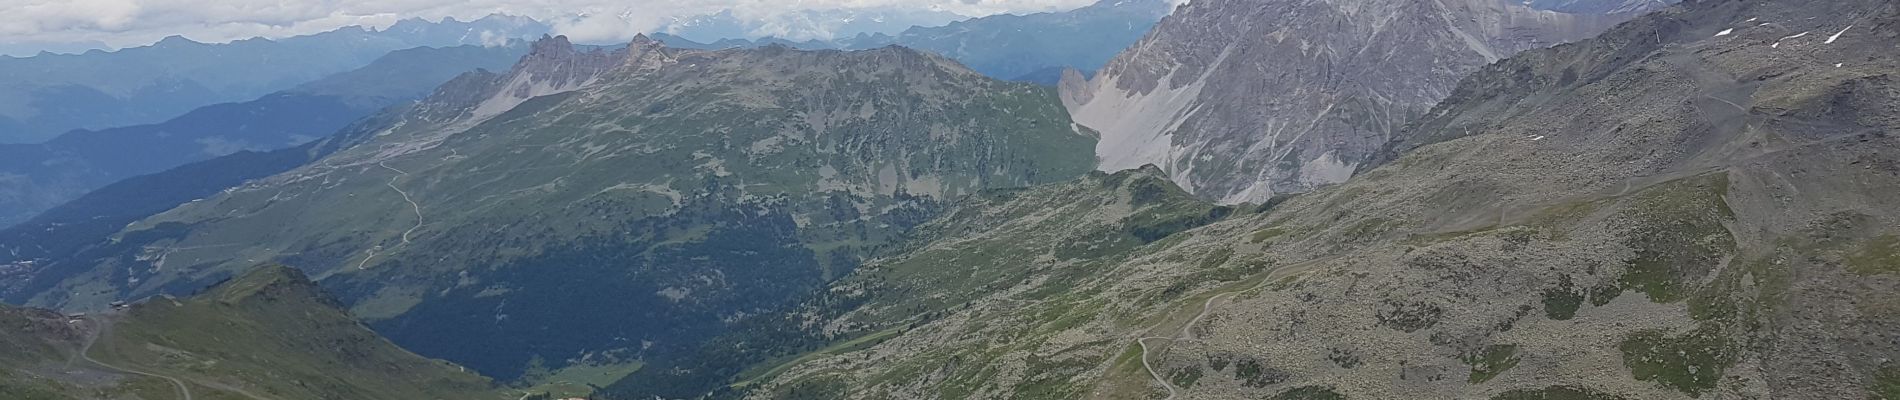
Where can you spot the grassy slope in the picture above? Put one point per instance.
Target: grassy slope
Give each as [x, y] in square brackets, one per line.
[1055, 235]
[269, 333]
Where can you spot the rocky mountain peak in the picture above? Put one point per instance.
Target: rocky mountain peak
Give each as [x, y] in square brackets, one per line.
[642, 40]
[645, 53]
[555, 60]
[1075, 88]
[270, 283]
[175, 41]
[553, 65]
[551, 46]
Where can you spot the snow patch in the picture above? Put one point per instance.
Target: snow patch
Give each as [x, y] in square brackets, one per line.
[1837, 35]
[1777, 44]
[1725, 32]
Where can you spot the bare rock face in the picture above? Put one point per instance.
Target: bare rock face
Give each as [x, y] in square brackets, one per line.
[1242, 100]
[555, 66]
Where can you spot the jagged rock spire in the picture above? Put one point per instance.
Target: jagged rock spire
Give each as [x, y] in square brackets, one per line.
[644, 53]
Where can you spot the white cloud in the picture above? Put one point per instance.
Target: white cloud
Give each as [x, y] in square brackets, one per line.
[123, 23]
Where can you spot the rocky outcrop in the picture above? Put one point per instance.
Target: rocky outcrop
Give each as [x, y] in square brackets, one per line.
[554, 66]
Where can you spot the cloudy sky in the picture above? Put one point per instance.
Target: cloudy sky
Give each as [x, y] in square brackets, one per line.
[63, 24]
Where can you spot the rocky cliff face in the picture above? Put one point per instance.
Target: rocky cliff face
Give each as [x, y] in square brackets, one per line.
[1242, 100]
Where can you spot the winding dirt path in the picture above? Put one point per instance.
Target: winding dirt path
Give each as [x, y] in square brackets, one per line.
[1187, 333]
[413, 206]
[1187, 330]
[100, 326]
[405, 197]
[1151, 369]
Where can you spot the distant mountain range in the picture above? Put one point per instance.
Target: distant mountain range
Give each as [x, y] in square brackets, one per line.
[823, 25]
[35, 177]
[1030, 48]
[32, 48]
[49, 94]
[1022, 46]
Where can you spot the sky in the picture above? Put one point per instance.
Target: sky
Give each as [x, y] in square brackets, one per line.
[66, 25]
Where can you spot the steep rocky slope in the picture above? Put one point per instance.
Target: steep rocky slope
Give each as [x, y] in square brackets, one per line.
[654, 193]
[269, 333]
[1243, 100]
[1697, 204]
